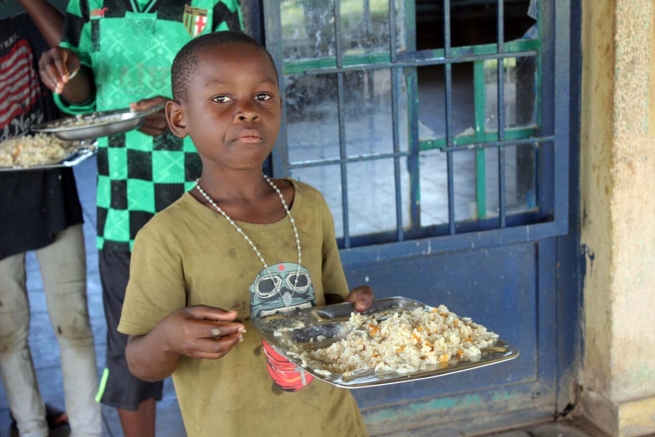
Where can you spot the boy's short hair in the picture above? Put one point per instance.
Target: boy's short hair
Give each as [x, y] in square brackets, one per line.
[186, 60]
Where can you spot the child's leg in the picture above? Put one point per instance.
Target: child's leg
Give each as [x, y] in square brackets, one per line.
[63, 269]
[16, 368]
[133, 397]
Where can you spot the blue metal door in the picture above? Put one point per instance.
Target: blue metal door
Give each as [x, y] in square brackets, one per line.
[447, 172]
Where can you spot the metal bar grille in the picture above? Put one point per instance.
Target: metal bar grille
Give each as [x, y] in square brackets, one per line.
[533, 141]
[502, 198]
[272, 18]
[411, 81]
[342, 124]
[480, 103]
[449, 119]
[395, 92]
[344, 60]
[421, 62]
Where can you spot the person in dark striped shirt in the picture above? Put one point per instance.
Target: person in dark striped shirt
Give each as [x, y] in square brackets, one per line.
[40, 211]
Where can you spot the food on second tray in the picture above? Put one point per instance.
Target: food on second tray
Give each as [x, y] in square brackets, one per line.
[82, 120]
[30, 151]
[402, 341]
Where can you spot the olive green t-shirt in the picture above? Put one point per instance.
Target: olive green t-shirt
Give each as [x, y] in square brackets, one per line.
[190, 255]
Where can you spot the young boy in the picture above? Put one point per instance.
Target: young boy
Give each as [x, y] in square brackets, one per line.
[235, 247]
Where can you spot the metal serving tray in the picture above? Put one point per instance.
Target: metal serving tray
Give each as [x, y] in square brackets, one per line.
[85, 151]
[100, 124]
[303, 325]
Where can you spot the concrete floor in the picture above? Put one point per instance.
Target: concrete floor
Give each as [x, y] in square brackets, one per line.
[43, 344]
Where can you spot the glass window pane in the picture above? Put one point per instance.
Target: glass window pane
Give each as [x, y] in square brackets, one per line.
[464, 185]
[326, 179]
[472, 22]
[520, 180]
[434, 186]
[312, 119]
[433, 197]
[307, 28]
[368, 116]
[313, 122]
[520, 93]
[372, 196]
[432, 98]
[365, 26]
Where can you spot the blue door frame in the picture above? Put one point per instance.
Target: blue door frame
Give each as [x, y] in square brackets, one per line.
[518, 274]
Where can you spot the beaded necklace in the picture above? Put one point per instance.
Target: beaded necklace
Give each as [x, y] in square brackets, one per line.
[276, 280]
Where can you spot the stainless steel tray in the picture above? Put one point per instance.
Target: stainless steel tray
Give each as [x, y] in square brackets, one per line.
[100, 124]
[85, 151]
[329, 322]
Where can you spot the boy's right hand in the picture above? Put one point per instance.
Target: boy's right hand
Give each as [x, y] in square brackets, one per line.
[202, 331]
[57, 66]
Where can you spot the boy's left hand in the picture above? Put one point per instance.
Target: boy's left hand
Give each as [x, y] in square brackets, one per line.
[155, 124]
[361, 296]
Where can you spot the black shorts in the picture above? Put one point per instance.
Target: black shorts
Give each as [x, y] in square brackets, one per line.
[118, 387]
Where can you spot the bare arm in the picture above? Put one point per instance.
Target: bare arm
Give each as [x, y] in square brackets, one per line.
[198, 332]
[59, 68]
[47, 18]
[148, 360]
[154, 124]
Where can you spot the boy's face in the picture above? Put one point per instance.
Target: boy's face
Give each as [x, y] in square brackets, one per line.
[233, 107]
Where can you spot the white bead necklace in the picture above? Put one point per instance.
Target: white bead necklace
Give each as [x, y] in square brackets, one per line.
[276, 280]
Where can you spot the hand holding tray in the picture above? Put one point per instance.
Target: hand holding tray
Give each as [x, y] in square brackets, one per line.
[98, 124]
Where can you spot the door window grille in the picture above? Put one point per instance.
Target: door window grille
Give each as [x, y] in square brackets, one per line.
[401, 129]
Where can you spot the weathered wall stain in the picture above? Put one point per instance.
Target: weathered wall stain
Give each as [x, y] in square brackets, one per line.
[618, 198]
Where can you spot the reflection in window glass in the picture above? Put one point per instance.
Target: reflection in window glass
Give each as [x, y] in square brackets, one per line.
[520, 180]
[475, 184]
[326, 179]
[308, 28]
[372, 196]
[434, 188]
[368, 116]
[312, 119]
[520, 92]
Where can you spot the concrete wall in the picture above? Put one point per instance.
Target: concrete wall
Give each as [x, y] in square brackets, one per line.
[618, 207]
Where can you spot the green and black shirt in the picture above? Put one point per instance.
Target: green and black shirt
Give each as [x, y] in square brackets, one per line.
[130, 45]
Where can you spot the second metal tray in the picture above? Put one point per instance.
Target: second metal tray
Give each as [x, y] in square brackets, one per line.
[98, 124]
[301, 326]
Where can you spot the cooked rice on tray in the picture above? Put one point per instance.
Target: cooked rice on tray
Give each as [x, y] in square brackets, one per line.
[81, 120]
[29, 151]
[402, 341]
